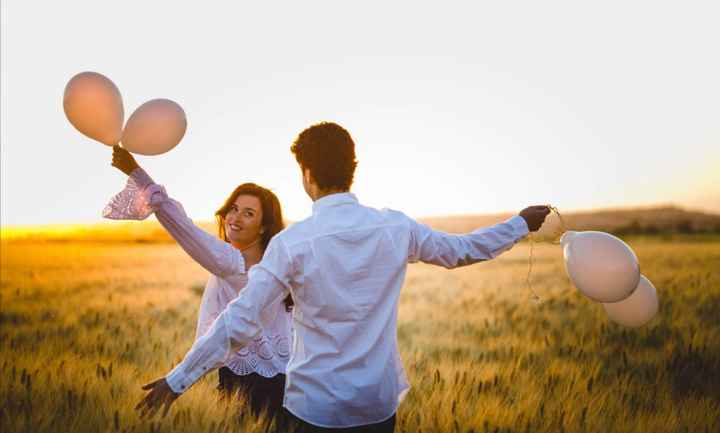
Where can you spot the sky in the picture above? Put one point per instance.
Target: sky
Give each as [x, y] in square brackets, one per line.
[455, 107]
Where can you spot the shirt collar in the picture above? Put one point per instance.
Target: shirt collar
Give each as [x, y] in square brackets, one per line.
[334, 200]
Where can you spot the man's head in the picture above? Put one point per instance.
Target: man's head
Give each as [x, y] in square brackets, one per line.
[326, 155]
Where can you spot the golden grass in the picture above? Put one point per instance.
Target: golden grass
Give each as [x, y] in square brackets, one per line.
[83, 325]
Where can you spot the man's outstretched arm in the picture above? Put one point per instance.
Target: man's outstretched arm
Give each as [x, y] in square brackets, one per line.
[235, 327]
[452, 250]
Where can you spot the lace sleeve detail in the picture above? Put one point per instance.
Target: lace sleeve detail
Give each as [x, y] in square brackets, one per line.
[133, 202]
[142, 197]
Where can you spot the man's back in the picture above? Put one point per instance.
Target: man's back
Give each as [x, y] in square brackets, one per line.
[347, 265]
[349, 262]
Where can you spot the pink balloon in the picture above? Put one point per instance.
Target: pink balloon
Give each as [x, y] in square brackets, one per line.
[94, 106]
[155, 127]
[638, 309]
[601, 266]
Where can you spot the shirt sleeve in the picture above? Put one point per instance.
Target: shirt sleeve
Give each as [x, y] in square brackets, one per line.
[142, 196]
[453, 250]
[240, 322]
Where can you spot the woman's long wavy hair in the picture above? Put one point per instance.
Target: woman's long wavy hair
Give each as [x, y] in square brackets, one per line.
[272, 219]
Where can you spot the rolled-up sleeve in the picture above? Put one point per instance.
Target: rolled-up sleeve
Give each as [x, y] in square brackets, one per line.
[454, 250]
[240, 322]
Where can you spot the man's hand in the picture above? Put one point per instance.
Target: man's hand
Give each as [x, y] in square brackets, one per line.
[534, 216]
[160, 395]
[123, 160]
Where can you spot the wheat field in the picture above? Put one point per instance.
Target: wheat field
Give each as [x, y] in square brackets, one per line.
[84, 325]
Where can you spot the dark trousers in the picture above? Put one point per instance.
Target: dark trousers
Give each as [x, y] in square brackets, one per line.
[291, 423]
[261, 393]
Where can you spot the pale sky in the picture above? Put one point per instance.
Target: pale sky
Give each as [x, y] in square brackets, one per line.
[455, 107]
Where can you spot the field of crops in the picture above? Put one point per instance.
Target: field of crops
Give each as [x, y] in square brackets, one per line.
[83, 325]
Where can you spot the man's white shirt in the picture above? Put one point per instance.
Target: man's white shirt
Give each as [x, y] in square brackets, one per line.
[344, 267]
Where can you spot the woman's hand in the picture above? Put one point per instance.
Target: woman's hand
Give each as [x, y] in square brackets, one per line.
[160, 396]
[123, 160]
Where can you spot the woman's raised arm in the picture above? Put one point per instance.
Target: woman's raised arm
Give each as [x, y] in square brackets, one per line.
[142, 196]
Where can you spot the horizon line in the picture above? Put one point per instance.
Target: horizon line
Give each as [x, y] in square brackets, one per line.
[569, 211]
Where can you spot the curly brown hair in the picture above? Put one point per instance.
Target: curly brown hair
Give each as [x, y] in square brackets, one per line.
[328, 151]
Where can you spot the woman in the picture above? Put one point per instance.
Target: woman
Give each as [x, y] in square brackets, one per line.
[247, 221]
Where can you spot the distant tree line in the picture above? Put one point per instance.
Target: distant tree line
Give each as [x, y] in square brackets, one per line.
[683, 226]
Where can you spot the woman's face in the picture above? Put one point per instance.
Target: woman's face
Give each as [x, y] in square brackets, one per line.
[243, 222]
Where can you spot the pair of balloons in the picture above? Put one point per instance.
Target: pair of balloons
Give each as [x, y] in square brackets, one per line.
[606, 270]
[94, 106]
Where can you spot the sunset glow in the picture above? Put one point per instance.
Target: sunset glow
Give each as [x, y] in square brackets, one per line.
[471, 109]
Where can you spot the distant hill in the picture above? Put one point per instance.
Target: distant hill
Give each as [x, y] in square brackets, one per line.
[631, 221]
[628, 221]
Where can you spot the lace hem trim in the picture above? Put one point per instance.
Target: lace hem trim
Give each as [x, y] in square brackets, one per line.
[261, 357]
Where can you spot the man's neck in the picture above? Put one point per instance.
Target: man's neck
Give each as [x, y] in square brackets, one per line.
[323, 193]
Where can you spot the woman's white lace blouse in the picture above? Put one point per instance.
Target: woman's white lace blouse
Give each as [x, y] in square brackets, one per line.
[268, 354]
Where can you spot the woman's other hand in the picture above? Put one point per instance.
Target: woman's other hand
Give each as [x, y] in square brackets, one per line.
[159, 396]
[123, 160]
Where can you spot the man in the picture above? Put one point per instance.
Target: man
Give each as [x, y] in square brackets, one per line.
[344, 267]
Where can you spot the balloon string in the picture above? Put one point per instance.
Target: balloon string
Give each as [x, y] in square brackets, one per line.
[534, 296]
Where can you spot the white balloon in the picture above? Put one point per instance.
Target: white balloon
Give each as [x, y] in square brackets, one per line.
[601, 266]
[93, 105]
[155, 127]
[638, 308]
